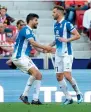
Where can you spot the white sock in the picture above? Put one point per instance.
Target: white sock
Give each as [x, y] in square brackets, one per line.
[36, 90]
[75, 86]
[63, 86]
[28, 85]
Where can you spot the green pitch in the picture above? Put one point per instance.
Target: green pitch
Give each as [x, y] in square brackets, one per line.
[49, 107]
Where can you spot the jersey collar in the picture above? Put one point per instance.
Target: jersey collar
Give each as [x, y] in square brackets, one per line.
[29, 27]
[61, 20]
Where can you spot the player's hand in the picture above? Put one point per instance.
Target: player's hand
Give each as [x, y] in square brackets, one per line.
[45, 51]
[53, 50]
[62, 39]
[48, 48]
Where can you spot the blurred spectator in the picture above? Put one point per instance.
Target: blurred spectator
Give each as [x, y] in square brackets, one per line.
[87, 20]
[6, 48]
[81, 4]
[9, 35]
[20, 24]
[61, 2]
[70, 10]
[4, 17]
[72, 6]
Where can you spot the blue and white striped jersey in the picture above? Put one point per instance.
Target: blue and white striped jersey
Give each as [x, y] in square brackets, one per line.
[63, 29]
[22, 45]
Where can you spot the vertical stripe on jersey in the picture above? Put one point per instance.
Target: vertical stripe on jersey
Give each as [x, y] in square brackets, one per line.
[64, 36]
[28, 49]
[69, 48]
[19, 50]
[69, 44]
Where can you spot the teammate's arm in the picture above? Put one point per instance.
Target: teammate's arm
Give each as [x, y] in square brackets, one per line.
[70, 29]
[36, 44]
[75, 36]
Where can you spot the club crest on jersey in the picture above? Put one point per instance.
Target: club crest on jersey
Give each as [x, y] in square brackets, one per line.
[27, 32]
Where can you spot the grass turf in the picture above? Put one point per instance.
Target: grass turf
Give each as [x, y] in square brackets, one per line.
[47, 107]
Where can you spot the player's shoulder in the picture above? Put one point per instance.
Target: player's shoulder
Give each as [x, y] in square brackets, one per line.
[26, 30]
[67, 22]
[63, 22]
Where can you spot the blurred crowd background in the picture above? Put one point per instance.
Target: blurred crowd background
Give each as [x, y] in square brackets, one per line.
[12, 19]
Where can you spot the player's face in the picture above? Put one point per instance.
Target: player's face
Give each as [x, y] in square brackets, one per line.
[55, 14]
[35, 23]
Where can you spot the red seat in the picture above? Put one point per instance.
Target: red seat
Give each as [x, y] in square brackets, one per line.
[79, 19]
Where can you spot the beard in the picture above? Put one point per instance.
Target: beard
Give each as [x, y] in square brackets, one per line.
[34, 27]
[55, 18]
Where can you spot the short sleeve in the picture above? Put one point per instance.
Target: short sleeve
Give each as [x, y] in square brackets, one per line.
[28, 34]
[70, 27]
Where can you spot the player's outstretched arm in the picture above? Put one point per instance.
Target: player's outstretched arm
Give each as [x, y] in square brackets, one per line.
[36, 44]
[39, 50]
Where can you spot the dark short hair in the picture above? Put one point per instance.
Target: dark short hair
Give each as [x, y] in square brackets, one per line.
[59, 7]
[31, 16]
[19, 22]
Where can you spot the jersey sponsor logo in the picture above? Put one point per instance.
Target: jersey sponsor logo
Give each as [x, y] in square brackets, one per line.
[57, 34]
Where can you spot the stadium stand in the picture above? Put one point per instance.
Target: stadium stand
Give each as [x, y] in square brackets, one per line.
[45, 29]
[79, 19]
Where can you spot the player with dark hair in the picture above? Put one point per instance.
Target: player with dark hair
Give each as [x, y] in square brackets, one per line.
[21, 59]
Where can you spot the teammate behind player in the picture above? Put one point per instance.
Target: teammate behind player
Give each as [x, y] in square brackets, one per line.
[21, 59]
[64, 55]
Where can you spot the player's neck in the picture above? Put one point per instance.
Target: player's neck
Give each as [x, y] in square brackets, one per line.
[30, 26]
[60, 18]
